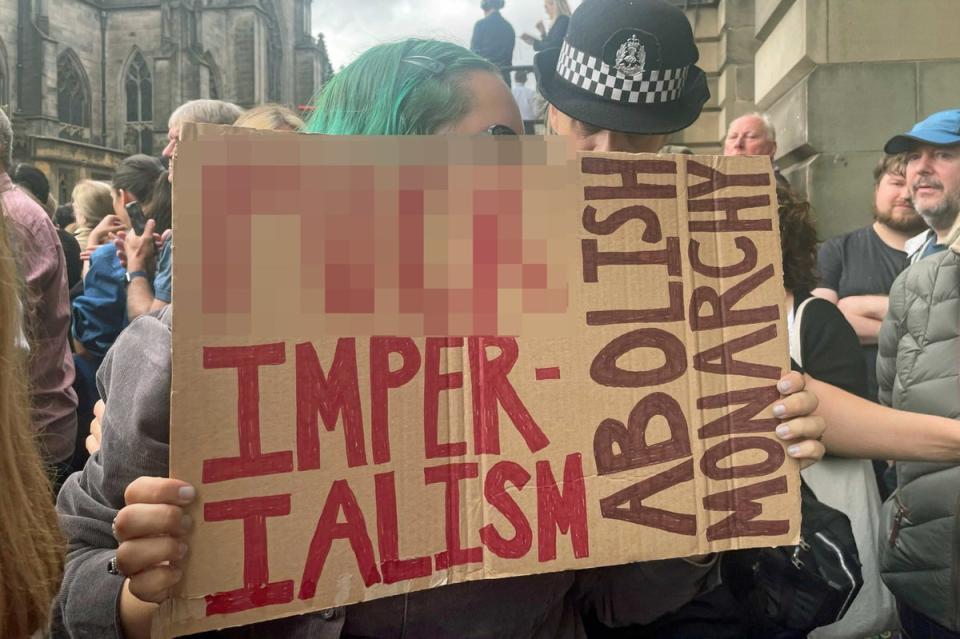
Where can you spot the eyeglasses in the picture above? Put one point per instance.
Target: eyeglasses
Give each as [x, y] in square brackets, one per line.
[500, 129]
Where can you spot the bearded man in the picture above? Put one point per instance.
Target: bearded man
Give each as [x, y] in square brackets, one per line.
[858, 269]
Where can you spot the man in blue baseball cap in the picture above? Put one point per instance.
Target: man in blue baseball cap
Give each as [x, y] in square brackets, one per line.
[933, 177]
[917, 370]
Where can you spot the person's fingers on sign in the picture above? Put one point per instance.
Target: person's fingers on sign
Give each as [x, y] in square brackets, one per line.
[799, 425]
[151, 530]
[92, 442]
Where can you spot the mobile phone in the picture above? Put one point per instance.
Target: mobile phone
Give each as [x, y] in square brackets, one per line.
[137, 219]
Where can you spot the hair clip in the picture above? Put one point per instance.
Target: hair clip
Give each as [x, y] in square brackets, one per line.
[424, 62]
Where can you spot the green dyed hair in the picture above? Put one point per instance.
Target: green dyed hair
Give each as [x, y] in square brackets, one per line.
[412, 87]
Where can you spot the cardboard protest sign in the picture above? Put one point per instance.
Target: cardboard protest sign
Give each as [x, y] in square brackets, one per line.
[401, 363]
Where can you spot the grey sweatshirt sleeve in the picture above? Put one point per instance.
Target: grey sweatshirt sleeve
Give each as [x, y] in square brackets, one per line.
[134, 382]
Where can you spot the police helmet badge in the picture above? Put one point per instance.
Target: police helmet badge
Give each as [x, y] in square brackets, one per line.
[631, 57]
[632, 52]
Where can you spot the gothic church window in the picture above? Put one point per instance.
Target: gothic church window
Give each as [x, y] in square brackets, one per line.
[139, 91]
[73, 94]
[274, 53]
[138, 86]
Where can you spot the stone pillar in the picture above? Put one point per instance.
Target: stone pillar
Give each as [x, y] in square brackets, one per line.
[244, 61]
[305, 73]
[701, 136]
[28, 76]
[725, 37]
[738, 46]
[841, 77]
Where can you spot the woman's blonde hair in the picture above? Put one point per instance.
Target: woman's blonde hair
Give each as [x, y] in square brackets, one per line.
[92, 201]
[270, 117]
[563, 7]
[31, 546]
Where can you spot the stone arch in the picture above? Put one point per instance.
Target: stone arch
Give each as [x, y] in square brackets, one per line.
[73, 93]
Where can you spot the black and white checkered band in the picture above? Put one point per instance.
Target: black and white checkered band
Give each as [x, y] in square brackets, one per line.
[591, 74]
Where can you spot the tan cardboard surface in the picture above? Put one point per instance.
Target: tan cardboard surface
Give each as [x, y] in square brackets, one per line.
[401, 363]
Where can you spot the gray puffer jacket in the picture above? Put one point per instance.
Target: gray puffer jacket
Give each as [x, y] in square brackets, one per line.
[918, 370]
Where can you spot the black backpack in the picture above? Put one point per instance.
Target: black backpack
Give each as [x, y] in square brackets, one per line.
[800, 588]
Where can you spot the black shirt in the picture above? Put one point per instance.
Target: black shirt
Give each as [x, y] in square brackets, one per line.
[829, 346]
[860, 263]
[71, 253]
[493, 39]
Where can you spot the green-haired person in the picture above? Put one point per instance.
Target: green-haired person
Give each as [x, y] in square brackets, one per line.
[416, 87]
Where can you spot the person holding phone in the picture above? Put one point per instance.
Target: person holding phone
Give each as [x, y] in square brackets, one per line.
[146, 251]
[141, 251]
[100, 312]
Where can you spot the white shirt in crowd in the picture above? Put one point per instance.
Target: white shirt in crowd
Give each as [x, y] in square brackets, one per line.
[527, 101]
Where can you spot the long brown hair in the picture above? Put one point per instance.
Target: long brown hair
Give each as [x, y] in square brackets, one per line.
[31, 546]
[798, 240]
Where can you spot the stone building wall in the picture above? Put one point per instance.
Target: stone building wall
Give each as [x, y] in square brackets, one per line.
[838, 78]
[701, 136]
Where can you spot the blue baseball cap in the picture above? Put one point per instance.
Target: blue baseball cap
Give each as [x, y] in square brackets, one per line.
[940, 129]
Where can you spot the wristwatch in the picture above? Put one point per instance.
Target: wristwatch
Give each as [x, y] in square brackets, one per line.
[135, 274]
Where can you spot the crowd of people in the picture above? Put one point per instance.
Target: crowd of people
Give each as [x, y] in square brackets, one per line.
[870, 410]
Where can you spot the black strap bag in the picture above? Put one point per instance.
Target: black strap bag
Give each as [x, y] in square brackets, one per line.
[800, 588]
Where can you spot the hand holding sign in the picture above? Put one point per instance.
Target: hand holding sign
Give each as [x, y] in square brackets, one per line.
[804, 429]
[151, 529]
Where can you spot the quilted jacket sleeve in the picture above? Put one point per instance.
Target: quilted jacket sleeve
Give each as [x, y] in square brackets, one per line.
[887, 342]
